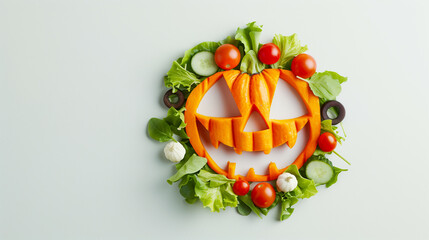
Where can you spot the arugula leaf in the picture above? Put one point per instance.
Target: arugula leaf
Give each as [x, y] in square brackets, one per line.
[204, 46]
[159, 130]
[194, 164]
[306, 187]
[249, 36]
[326, 126]
[246, 199]
[335, 177]
[289, 46]
[215, 179]
[215, 198]
[178, 77]
[251, 64]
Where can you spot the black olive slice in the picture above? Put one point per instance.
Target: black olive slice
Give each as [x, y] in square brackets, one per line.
[335, 104]
[180, 101]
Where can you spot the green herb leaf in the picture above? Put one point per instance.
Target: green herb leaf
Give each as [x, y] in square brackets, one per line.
[194, 164]
[335, 177]
[249, 36]
[178, 77]
[243, 209]
[251, 64]
[230, 40]
[246, 199]
[159, 130]
[289, 46]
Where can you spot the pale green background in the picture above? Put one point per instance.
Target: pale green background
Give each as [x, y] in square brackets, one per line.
[80, 79]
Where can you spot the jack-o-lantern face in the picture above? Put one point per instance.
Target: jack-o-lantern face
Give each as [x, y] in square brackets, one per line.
[253, 93]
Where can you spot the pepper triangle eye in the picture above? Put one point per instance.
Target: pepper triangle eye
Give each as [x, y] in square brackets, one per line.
[218, 101]
[287, 103]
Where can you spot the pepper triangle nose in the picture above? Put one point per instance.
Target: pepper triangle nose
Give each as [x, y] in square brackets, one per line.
[255, 123]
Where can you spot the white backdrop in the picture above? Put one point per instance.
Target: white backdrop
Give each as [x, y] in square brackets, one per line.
[80, 79]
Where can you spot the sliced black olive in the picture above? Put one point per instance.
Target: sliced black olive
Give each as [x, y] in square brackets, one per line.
[337, 105]
[177, 104]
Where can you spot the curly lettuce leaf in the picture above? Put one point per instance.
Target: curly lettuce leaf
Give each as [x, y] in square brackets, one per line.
[194, 164]
[179, 77]
[287, 202]
[251, 64]
[215, 198]
[289, 46]
[249, 36]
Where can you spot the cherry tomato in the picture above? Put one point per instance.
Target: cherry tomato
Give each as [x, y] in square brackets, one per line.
[269, 53]
[263, 195]
[303, 65]
[227, 56]
[327, 142]
[241, 187]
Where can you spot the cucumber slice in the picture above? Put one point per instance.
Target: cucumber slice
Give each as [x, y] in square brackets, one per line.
[320, 171]
[203, 64]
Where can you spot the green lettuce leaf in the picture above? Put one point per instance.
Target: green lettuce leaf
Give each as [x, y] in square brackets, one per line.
[215, 198]
[289, 46]
[204, 46]
[249, 36]
[179, 77]
[243, 209]
[287, 209]
[214, 179]
[306, 187]
[194, 164]
[333, 180]
[251, 64]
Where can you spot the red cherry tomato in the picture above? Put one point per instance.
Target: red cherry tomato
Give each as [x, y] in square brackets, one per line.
[227, 56]
[263, 195]
[241, 187]
[327, 142]
[303, 65]
[269, 53]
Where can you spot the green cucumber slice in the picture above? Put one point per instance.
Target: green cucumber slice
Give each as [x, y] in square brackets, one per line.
[320, 171]
[203, 64]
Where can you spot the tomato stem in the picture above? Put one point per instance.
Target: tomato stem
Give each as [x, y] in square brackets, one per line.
[342, 158]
